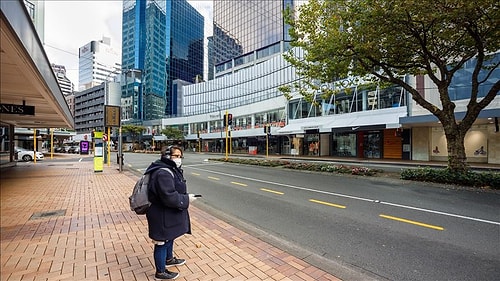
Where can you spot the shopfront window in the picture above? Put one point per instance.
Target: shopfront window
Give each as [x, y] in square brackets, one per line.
[372, 144]
[344, 144]
[4, 145]
[311, 144]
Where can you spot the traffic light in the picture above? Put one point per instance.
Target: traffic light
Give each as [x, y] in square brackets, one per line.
[228, 119]
[267, 129]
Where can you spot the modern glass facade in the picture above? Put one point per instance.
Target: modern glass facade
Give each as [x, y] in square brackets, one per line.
[246, 87]
[355, 100]
[242, 27]
[461, 87]
[162, 41]
[185, 28]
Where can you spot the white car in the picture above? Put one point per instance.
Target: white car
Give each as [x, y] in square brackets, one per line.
[27, 155]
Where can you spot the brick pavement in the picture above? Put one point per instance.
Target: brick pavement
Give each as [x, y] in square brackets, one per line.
[62, 221]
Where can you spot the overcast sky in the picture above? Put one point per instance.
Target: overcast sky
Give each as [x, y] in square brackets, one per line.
[71, 24]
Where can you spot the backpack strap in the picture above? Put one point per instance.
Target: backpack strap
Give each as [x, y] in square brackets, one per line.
[151, 177]
[169, 170]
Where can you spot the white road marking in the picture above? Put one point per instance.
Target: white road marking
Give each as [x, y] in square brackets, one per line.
[354, 197]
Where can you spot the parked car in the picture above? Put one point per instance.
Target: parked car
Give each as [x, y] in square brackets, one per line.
[74, 149]
[27, 155]
[59, 149]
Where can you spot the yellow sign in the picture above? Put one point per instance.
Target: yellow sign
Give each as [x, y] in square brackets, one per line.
[111, 116]
[98, 164]
[98, 152]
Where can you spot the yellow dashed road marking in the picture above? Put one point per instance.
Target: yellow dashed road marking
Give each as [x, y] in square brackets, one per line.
[327, 204]
[272, 191]
[412, 222]
[238, 183]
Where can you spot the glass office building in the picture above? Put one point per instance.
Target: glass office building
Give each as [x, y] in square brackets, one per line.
[162, 40]
[185, 27]
[245, 31]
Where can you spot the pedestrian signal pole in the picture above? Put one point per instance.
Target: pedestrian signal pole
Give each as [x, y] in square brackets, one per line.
[51, 143]
[267, 130]
[230, 142]
[267, 145]
[225, 128]
[34, 146]
[108, 138]
[199, 142]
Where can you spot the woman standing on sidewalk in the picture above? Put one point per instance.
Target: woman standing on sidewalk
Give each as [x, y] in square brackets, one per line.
[168, 216]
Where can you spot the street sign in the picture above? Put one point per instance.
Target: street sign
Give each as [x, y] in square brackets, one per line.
[112, 116]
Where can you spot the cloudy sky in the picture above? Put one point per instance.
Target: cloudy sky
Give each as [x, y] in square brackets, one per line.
[71, 24]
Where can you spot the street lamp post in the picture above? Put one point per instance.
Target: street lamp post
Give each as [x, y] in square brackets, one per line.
[106, 102]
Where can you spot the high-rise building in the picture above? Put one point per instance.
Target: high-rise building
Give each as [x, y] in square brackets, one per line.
[67, 87]
[98, 62]
[247, 31]
[90, 106]
[162, 40]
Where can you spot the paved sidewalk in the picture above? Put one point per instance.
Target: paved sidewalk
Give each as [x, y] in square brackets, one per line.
[62, 221]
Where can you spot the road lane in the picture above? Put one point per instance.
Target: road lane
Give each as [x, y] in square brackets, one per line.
[357, 235]
[291, 186]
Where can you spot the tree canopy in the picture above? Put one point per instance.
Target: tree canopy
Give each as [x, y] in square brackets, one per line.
[133, 130]
[173, 133]
[386, 40]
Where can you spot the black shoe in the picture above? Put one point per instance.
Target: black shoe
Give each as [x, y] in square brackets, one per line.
[175, 262]
[166, 275]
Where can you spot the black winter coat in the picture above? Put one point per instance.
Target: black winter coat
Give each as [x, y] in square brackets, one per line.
[168, 216]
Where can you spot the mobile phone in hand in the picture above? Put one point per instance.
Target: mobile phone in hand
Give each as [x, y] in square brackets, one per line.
[198, 195]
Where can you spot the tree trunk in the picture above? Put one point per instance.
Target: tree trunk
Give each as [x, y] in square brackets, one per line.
[457, 160]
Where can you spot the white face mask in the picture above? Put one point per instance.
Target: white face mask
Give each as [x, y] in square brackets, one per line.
[178, 162]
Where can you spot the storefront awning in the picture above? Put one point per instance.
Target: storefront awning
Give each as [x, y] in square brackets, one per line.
[291, 129]
[388, 117]
[381, 118]
[300, 126]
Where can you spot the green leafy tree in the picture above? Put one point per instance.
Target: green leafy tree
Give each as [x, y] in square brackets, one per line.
[134, 130]
[387, 40]
[173, 133]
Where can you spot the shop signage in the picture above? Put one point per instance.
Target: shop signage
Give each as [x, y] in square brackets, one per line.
[310, 127]
[17, 109]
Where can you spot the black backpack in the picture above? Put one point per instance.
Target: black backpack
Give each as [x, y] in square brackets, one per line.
[139, 201]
